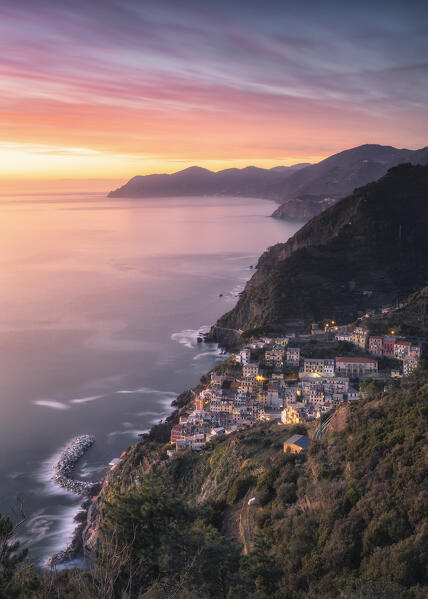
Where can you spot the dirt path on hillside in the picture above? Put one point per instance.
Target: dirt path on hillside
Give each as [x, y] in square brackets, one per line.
[238, 522]
[246, 522]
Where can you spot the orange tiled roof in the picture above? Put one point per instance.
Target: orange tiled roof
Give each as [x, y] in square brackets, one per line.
[356, 360]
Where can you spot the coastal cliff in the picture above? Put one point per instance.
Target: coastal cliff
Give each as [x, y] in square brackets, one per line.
[369, 249]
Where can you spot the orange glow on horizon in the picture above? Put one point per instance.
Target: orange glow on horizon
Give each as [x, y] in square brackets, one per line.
[100, 90]
[54, 167]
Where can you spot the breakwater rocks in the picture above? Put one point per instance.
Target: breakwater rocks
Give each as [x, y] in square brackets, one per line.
[66, 463]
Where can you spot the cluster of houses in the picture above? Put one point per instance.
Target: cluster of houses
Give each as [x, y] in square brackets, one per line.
[262, 392]
[408, 351]
[274, 381]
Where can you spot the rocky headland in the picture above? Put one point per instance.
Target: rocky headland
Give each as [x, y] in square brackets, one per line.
[369, 249]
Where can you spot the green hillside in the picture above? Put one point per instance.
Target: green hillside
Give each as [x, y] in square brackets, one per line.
[350, 518]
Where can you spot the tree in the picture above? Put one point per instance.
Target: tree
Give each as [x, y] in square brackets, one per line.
[17, 578]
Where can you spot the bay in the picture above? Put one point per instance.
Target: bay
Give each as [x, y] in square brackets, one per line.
[101, 302]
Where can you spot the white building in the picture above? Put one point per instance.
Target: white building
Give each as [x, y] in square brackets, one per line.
[250, 370]
[243, 357]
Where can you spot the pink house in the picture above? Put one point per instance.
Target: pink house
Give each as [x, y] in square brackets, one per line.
[388, 346]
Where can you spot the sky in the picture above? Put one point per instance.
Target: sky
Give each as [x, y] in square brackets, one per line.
[106, 89]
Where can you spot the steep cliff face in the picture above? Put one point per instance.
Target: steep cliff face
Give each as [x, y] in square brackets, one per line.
[368, 249]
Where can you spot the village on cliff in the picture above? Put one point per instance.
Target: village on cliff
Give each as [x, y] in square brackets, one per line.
[288, 379]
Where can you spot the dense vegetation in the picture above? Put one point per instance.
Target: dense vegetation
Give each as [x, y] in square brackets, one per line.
[346, 520]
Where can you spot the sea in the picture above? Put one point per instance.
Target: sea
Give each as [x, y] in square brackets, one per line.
[101, 304]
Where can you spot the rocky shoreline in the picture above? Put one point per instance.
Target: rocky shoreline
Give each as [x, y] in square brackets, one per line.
[85, 535]
[63, 471]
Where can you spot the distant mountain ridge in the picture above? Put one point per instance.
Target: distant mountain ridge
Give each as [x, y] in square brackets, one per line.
[308, 192]
[341, 173]
[195, 181]
[303, 190]
[365, 251]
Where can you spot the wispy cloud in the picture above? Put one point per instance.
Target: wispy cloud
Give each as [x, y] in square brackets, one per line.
[224, 80]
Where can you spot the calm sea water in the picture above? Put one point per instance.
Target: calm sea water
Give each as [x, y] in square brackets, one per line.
[100, 304]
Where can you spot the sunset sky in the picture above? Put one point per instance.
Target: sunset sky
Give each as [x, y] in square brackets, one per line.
[107, 89]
